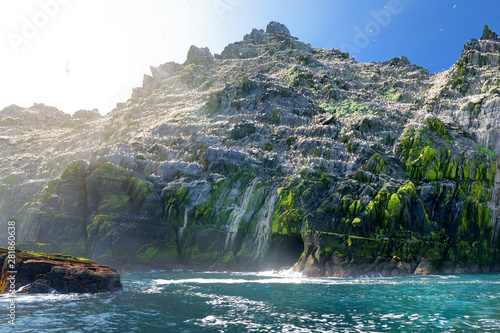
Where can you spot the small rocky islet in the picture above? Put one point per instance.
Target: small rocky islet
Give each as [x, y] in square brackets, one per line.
[36, 273]
[273, 153]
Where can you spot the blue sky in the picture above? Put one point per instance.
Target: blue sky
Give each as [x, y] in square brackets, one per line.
[429, 33]
[110, 44]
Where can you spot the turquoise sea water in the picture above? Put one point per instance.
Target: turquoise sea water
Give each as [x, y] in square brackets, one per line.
[264, 302]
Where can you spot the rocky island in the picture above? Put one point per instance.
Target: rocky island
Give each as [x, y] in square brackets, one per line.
[273, 153]
[41, 273]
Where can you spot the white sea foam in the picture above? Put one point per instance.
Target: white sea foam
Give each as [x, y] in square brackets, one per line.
[446, 277]
[230, 281]
[291, 277]
[37, 298]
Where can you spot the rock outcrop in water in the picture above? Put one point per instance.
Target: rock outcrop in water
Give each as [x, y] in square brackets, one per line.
[41, 273]
[272, 154]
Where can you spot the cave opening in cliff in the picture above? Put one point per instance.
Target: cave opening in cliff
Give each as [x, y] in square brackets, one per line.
[285, 250]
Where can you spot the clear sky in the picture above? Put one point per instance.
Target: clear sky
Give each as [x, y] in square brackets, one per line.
[108, 45]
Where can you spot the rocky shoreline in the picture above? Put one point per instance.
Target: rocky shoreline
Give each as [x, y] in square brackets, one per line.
[390, 267]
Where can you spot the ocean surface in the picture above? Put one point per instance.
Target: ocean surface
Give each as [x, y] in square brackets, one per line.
[264, 302]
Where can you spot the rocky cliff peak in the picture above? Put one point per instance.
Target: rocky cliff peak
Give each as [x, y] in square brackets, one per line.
[489, 43]
[474, 73]
[254, 43]
[488, 34]
[276, 28]
[199, 56]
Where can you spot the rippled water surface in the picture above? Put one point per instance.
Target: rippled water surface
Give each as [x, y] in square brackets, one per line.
[238, 302]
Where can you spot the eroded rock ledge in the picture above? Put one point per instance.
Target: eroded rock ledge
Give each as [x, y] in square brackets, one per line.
[42, 273]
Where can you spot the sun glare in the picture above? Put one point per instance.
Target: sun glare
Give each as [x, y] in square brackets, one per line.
[91, 54]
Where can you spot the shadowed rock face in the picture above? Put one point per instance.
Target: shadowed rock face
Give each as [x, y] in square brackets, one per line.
[272, 154]
[38, 273]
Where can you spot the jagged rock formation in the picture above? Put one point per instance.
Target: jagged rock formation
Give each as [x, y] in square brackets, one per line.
[272, 154]
[41, 273]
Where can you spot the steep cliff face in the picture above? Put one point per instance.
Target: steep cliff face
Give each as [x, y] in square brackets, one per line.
[272, 154]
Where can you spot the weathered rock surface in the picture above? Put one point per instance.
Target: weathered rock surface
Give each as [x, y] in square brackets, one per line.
[276, 28]
[87, 115]
[199, 56]
[40, 273]
[273, 154]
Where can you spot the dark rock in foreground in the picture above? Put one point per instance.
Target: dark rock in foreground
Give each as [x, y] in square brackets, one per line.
[42, 273]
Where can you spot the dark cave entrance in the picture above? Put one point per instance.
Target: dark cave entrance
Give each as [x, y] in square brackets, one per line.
[285, 251]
